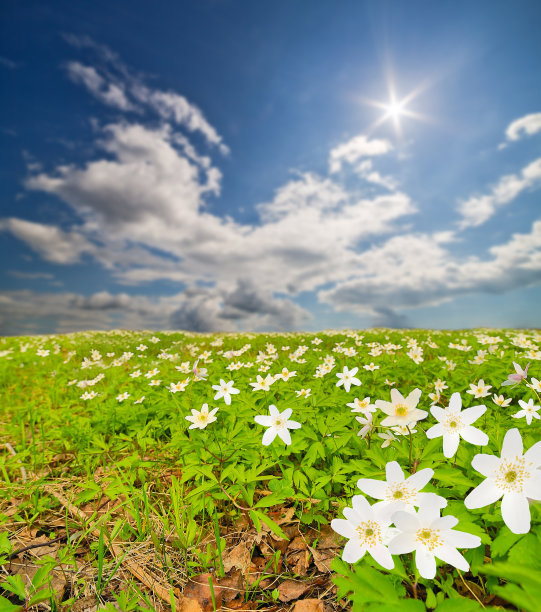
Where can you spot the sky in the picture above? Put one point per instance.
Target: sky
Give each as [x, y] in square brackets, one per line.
[293, 165]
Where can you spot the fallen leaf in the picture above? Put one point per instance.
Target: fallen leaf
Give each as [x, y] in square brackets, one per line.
[323, 558]
[309, 605]
[238, 557]
[291, 589]
[187, 604]
[198, 589]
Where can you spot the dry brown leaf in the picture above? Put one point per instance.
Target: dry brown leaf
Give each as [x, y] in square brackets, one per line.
[198, 589]
[187, 604]
[298, 543]
[291, 589]
[238, 557]
[309, 605]
[328, 538]
[323, 558]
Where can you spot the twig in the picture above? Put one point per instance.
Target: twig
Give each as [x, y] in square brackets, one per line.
[49, 543]
[469, 589]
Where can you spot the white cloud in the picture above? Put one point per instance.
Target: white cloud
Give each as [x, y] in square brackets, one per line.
[112, 94]
[416, 270]
[52, 243]
[478, 209]
[355, 149]
[525, 126]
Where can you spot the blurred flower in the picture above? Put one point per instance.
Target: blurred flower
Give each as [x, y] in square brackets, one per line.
[500, 400]
[518, 377]
[479, 389]
[225, 390]
[528, 410]
[364, 405]
[347, 378]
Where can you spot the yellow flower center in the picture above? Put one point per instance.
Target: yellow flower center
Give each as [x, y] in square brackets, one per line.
[429, 537]
[401, 410]
[369, 533]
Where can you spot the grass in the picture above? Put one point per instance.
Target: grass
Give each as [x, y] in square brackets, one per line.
[119, 505]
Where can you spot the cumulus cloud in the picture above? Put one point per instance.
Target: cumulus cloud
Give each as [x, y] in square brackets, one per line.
[415, 270]
[525, 126]
[112, 94]
[116, 84]
[52, 243]
[478, 209]
[356, 148]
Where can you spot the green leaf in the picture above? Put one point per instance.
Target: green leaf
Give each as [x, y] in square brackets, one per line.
[271, 524]
[7, 606]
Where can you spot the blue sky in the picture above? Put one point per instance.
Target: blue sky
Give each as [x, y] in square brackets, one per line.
[235, 165]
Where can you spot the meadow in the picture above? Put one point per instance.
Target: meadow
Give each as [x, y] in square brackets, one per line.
[367, 470]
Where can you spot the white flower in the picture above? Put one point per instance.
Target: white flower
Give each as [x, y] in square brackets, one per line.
[387, 438]
[225, 390]
[371, 367]
[455, 423]
[367, 529]
[500, 400]
[140, 400]
[180, 386]
[480, 389]
[535, 385]
[431, 536]
[303, 393]
[513, 475]
[403, 493]
[347, 378]
[200, 419]
[122, 396]
[278, 425]
[515, 379]
[92, 394]
[528, 410]
[367, 424]
[285, 374]
[401, 411]
[262, 384]
[364, 405]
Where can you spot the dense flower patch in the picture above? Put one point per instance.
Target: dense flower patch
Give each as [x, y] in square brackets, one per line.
[439, 431]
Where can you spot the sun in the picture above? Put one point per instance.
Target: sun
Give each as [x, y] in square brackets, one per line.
[397, 109]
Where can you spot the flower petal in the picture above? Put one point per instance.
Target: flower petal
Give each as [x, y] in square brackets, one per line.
[381, 555]
[445, 522]
[402, 543]
[512, 444]
[284, 434]
[406, 521]
[353, 551]
[532, 487]
[485, 464]
[470, 415]
[484, 494]
[287, 413]
[374, 488]
[293, 425]
[455, 403]
[533, 454]
[274, 412]
[516, 512]
[362, 507]
[461, 539]
[420, 479]
[344, 528]
[450, 555]
[269, 436]
[474, 436]
[413, 398]
[263, 419]
[393, 472]
[435, 431]
[426, 563]
[450, 444]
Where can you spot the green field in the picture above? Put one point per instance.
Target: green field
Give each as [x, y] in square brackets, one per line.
[112, 499]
